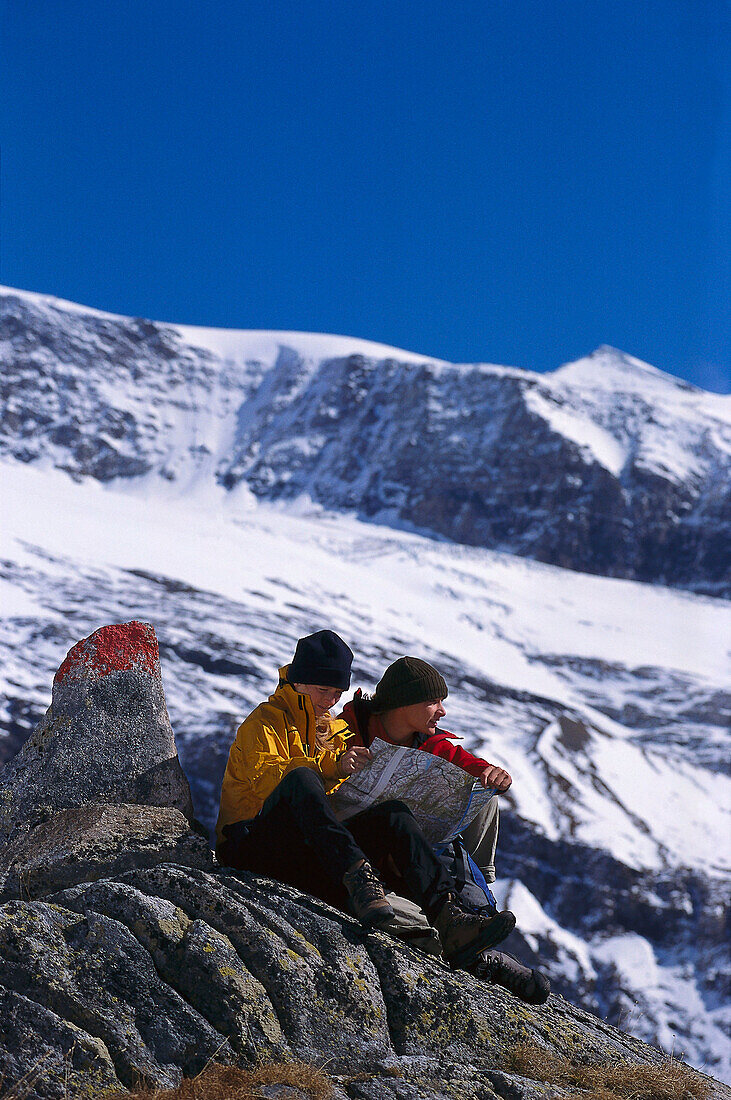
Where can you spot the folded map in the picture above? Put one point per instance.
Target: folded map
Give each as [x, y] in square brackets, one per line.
[443, 798]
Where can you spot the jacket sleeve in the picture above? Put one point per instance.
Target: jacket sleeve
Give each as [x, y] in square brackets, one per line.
[259, 759]
[446, 748]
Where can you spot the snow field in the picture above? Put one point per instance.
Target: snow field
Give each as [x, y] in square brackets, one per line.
[467, 609]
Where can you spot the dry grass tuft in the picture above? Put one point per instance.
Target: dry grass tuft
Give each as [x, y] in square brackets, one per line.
[668, 1080]
[232, 1083]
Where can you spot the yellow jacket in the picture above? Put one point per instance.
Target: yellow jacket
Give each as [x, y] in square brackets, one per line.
[276, 738]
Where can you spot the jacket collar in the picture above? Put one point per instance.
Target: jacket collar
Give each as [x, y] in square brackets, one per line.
[298, 706]
[298, 709]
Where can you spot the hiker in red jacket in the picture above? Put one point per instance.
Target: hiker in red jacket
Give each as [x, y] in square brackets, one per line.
[405, 711]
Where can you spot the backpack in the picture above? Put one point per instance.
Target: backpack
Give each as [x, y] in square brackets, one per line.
[472, 888]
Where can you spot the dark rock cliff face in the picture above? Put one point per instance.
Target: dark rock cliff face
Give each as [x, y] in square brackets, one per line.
[126, 953]
[607, 466]
[486, 457]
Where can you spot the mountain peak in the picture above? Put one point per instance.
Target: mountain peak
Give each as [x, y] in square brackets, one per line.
[513, 455]
[608, 367]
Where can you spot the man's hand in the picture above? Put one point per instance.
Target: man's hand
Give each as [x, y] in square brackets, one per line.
[497, 778]
[353, 760]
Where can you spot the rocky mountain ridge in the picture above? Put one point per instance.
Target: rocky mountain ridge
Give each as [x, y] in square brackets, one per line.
[110, 973]
[606, 466]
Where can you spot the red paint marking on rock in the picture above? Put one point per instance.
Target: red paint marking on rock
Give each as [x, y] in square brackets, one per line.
[116, 648]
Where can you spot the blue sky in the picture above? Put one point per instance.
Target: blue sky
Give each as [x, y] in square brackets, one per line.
[509, 181]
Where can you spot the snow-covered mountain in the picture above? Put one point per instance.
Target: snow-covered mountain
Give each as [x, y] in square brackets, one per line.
[606, 466]
[194, 479]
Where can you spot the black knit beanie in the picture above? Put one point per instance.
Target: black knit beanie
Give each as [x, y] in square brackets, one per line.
[322, 658]
[407, 681]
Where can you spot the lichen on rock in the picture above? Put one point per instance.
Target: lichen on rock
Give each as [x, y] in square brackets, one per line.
[90, 842]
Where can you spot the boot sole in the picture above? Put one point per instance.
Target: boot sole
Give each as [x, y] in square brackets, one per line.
[500, 928]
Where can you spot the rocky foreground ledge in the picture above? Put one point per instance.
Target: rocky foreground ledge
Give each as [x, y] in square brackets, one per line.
[127, 954]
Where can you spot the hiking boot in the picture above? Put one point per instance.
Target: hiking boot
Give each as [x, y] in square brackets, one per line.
[464, 935]
[502, 969]
[367, 899]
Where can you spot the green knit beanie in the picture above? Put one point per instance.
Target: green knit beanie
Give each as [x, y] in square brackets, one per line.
[408, 681]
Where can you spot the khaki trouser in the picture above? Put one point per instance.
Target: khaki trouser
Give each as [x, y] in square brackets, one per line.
[480, 837]
[410, 924]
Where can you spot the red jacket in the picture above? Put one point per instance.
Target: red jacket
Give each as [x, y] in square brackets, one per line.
[366, 726]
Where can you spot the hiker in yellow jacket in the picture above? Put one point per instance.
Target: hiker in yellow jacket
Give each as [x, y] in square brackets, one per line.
[275, 818]
[293, 729]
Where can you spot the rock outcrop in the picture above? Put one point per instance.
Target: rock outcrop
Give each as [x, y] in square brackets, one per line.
[105, 738]
[160, 970]
[90, 842]
[127, 954]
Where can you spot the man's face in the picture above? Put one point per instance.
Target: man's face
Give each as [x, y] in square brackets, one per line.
[323, 698]
[423, 717]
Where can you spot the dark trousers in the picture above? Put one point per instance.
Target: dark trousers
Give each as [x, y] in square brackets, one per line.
[296, 838]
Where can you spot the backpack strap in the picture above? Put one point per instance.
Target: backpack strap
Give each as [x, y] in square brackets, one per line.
[461, 865]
